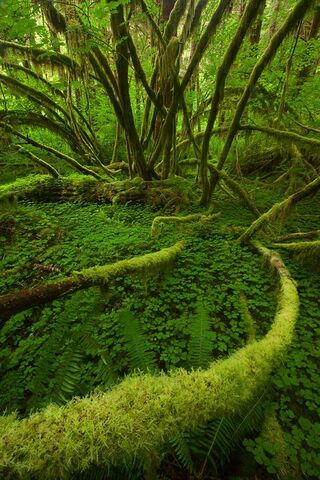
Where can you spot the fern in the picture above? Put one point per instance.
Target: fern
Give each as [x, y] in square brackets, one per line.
[182, 448]
[139, 355]
[201, 339]
[132, 470]
[68, 375]
[208, 447]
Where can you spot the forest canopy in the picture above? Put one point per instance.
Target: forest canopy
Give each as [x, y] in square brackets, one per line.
[159, 239]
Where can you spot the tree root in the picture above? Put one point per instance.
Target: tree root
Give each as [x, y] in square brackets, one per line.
[101, 275]
[144, 411]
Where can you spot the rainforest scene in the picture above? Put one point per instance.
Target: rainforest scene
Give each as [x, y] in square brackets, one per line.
[159, 239]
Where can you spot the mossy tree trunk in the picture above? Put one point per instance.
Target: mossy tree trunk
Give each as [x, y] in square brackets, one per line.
[296, 14]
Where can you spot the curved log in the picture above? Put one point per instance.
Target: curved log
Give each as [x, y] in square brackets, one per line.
[144, 411]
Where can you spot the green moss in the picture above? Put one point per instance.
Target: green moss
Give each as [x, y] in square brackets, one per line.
[196, 217]
[147, 263]
[138, 415]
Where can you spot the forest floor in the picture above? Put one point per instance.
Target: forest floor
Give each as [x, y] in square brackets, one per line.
[92, 338]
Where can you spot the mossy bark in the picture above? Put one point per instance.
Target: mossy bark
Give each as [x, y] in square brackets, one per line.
[39, 161]
[74, 163]
[249, 15]
[296, 14]
[299, 236]
[13, 303]
[300, 246]
[279, 209]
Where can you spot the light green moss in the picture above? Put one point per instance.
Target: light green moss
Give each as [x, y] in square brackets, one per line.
[196, 217]
[151, 262]
[300, 246]
[138, 415]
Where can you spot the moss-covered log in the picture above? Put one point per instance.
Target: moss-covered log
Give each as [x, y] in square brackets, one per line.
[86, 188]
[312, 247]
[279, 209]
[186, 220]
[144, 411]
[282, 134]
[101, 275]
[299, 236]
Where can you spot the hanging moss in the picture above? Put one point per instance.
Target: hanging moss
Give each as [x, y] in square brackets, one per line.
[144, 411]
[41, 56]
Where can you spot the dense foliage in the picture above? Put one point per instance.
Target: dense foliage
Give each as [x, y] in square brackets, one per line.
[146, 150]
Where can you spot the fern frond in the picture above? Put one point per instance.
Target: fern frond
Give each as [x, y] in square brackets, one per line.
[181, 447]
[68, 375]
[139, 355]
[209, 446]
[201, 339]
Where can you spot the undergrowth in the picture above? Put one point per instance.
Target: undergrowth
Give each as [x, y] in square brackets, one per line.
[182, 318]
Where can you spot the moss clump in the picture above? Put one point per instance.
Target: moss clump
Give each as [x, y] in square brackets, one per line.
[186, 220]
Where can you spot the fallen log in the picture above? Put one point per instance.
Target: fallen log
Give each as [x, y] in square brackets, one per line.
[186, 220]
[139, 415]
[13, 303]
[299, 236]
[85, 188]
